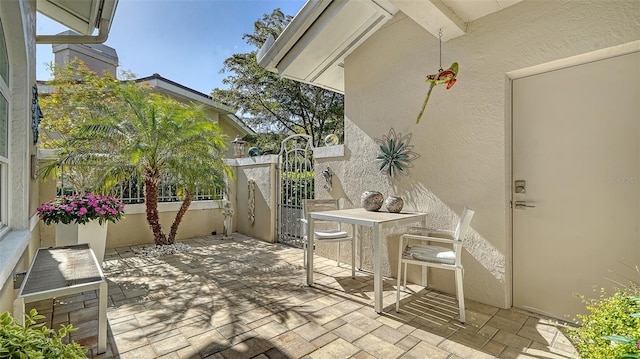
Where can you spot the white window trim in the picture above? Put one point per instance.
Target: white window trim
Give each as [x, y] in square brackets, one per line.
[5, 91]
[15, 238]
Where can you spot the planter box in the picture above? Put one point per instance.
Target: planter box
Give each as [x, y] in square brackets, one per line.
[93, 233]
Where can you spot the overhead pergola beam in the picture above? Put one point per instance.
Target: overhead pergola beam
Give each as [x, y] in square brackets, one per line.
[433, 15]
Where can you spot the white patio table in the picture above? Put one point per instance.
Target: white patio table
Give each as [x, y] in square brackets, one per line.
[60, 271]
[360, 218]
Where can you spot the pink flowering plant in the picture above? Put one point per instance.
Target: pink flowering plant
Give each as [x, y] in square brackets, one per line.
[81, 208]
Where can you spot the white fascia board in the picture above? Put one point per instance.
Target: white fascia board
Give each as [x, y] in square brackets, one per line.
[76, 16]
[239, 125]
[312, 48]
[273, 51]
[81, 16]
[224, 110]
[374, 17]
[181, 92]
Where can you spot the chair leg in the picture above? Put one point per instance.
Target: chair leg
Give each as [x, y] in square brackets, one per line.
[338, 259]
[304, 250]
[353, 258]
[357, 236]
[405, 277]
[398, 289]
[460, 294]
[399, 272]
[425, 276]
[398, 284]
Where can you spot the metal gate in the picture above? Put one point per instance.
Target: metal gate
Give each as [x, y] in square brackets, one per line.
[296, 180]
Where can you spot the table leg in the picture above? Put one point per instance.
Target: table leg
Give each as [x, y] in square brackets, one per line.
[18, 310]
[425, 273]
[102, 318]
[310, 251]
[353, 252]
[377, 269]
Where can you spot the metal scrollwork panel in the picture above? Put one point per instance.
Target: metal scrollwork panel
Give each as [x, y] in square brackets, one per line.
[296, 183]
[36, 113]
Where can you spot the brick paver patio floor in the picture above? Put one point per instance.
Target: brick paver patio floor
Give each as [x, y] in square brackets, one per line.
[243, 298]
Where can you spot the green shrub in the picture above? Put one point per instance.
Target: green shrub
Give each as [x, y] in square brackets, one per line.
[611, 330]
[35, 341]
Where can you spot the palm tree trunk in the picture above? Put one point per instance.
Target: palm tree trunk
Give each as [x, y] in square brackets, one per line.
[176, 222]
[151, 181]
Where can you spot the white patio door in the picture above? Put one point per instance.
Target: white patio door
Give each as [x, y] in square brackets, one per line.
[576, 144]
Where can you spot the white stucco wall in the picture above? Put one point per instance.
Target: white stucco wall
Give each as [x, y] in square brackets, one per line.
[261, 170]
[464, 137]
[19, 240]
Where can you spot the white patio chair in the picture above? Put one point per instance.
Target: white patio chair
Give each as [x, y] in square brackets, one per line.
[329, 231]
[427, 255]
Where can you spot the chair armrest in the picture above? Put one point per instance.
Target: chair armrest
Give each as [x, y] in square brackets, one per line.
[428, 238]
[432, 232]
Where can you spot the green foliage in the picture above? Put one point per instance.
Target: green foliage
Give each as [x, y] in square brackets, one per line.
[124, 130]
[268, 143]
[75, 98]
[35, 341]
[612, 328]
[273, 104]
[298, 185]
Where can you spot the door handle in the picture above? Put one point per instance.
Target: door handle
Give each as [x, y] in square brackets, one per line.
[523, 204]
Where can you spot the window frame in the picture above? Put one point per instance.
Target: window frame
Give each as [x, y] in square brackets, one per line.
[5, 162]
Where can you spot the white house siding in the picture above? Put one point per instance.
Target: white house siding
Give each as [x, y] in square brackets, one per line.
[19, 243]
[464, 137]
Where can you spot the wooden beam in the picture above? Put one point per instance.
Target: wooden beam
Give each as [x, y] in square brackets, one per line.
[433, 15]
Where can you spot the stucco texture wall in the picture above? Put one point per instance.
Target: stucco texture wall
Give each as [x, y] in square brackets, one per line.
[464, 137]
[260, 170]
[202, 218]
[19, 24]
[134, 229]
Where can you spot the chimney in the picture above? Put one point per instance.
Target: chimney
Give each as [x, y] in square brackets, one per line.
[98, 57]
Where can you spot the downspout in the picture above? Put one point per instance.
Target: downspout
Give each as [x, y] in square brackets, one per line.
[103, 33]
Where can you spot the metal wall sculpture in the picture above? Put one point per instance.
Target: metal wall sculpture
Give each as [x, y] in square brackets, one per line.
[327, 175]
[252, 201]
[395, 153]
[36, 113]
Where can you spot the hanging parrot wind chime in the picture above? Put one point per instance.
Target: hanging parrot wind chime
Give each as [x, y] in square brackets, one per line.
[447, 76]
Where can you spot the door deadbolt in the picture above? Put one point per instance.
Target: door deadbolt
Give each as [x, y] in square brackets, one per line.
[520, 186]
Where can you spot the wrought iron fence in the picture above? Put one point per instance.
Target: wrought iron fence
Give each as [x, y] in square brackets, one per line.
[131, 191]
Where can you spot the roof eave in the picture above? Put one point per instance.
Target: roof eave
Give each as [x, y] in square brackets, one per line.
[273, 50]
[313, 47]
[83, 17]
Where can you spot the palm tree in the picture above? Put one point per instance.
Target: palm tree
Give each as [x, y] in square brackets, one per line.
[152, 137]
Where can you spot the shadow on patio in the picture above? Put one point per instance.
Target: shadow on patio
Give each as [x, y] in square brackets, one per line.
[243, 298]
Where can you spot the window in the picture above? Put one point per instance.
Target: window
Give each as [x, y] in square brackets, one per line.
[4, 57]
[4, 126]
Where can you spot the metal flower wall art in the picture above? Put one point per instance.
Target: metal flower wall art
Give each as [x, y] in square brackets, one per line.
[447, 76]
[395, 153]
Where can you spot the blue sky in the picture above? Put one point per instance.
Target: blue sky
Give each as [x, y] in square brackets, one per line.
[185, 41]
